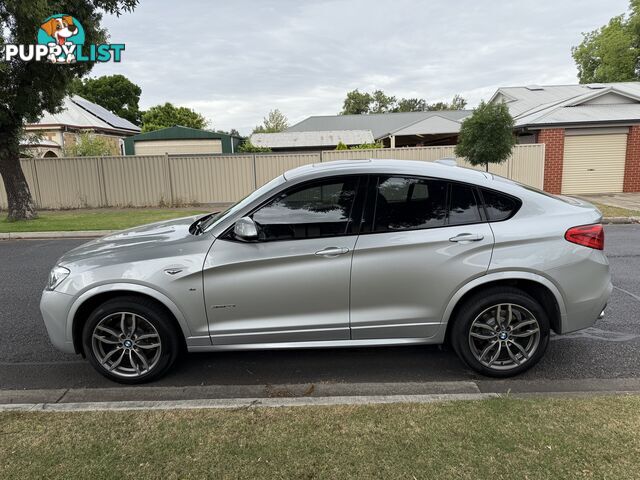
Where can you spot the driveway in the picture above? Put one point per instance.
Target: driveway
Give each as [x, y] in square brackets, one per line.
[610, 350]
[630, 201]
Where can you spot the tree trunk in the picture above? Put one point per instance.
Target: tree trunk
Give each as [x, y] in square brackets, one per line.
[21, 206]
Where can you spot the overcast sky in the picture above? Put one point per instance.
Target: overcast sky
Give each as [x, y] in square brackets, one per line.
[235, 60]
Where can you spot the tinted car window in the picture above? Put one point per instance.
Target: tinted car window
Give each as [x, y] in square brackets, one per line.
[321, 209]
[463, 206]
[499, 206]
[404, 203]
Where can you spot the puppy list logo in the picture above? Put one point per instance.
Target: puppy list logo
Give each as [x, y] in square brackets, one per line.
[61, 39]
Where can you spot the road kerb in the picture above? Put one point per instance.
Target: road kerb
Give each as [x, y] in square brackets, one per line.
[620, 220]
[241, 403]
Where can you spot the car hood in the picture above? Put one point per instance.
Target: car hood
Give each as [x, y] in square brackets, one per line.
[134, 241]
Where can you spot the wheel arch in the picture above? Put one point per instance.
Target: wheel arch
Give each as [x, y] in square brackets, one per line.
[91, 299]
[540, 288]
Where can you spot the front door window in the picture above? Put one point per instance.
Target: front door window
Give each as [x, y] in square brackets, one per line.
[316, 210]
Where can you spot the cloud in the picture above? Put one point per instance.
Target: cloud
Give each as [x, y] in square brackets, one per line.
[235, 61]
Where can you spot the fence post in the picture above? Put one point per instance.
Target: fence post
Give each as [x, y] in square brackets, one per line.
[103, 183]
[36, 183]
[169, 178]
[510, 163]
[255, 172]
[321, 156]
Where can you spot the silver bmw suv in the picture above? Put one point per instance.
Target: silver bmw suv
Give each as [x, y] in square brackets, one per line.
[342, 254]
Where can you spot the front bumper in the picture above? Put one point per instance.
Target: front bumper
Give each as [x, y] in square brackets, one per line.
[55, 307]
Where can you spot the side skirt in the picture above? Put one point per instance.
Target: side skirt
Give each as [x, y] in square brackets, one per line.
[383, 342]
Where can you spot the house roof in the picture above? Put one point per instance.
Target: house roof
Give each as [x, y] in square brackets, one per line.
[79, 112]
[178, 132]
[380, 124]
[328, 138]
[537, 106]
[432, 125]
[39, 142]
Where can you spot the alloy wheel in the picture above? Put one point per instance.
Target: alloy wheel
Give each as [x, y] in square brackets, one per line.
[504, 336]
[126, 344]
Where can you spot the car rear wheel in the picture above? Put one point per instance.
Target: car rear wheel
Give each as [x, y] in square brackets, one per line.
[130, 340]
[501, 332]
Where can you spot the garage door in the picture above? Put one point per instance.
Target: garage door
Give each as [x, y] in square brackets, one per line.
[594, 163]
[160, 147]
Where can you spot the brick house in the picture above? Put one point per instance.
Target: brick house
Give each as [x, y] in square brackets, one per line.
[591, 134]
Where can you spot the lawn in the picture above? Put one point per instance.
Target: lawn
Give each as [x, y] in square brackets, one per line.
[498, 438]
[610, 211]
[99, 219]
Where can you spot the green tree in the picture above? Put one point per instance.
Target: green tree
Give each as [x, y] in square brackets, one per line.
[233, 132]
[114, 92]
[27, 89]
[356, 103]
[168, 115]
[487, 135]
[457, 103]
[411, 105]
[248, 147]
[274, 122]
[88, 144]
[382, 103]
[341, 146]
[611, 53]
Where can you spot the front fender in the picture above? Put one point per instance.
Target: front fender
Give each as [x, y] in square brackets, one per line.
[130, 288]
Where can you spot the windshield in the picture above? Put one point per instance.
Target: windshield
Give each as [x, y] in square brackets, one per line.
[212, 221]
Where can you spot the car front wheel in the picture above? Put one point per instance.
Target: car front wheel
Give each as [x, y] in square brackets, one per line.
[501, 332]
[130, 340]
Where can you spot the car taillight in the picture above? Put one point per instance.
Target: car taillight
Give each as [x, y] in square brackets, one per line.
[591, 236]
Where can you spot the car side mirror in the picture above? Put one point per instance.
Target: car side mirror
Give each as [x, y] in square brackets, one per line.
[246, 229]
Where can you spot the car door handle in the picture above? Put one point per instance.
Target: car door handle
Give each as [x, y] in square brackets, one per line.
[332, 251]
[467, 237]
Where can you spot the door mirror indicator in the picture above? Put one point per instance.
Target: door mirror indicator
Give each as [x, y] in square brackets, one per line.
[246, 229]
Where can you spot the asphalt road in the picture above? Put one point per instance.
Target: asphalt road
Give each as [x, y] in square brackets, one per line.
[610, 350]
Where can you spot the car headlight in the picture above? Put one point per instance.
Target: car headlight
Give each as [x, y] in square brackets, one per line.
[57, 275]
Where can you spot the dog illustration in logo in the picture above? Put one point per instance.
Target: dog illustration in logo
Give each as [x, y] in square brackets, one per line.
[61, 29]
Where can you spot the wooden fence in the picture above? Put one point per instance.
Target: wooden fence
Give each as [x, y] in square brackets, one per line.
[91, 182]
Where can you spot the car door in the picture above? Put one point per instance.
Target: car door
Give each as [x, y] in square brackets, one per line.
[292, 285]
[422, 239]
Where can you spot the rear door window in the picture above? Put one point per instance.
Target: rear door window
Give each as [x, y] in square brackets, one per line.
[463, 205]
[405, 203]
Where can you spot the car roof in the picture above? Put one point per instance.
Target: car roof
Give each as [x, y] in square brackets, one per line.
[374, 166]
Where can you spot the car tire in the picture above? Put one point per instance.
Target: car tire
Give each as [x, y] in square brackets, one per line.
[130, 340]
[500, 332]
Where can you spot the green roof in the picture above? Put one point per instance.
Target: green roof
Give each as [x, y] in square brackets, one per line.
[178, 132]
